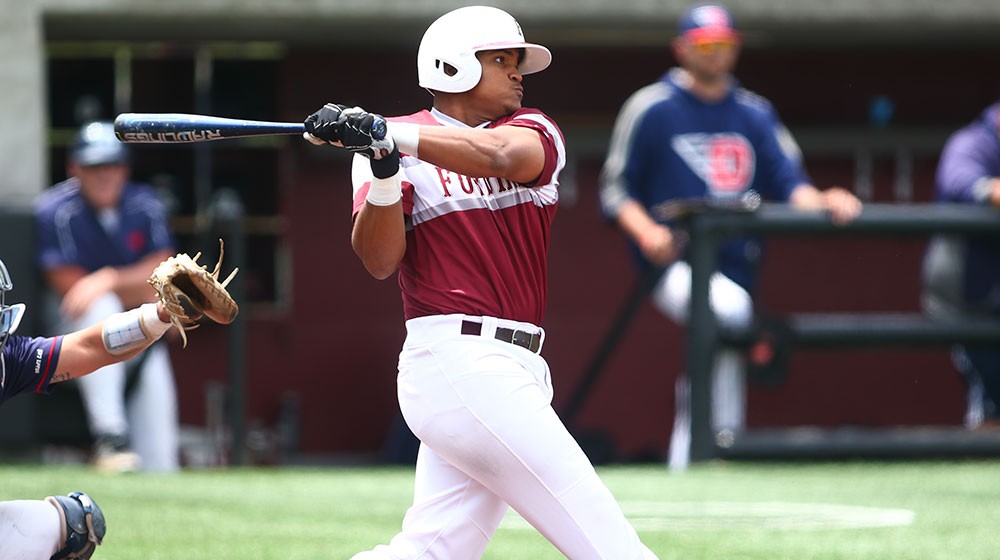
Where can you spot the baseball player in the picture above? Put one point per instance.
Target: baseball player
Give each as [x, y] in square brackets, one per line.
[696, 133]
[99, 235]
[961, 275]
[62, 526]
[459, 200]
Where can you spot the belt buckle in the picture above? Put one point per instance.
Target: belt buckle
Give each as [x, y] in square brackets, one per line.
[525, 340]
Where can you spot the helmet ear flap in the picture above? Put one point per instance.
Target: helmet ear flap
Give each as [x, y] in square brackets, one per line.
[441, 67]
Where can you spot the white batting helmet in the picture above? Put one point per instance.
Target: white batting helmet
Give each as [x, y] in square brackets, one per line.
[456, 37]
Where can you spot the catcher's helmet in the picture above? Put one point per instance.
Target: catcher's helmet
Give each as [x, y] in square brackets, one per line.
[10, 315]
[96, 144]
[455, 38]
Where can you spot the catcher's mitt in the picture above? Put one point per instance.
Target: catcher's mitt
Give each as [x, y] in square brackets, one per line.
[188, 292]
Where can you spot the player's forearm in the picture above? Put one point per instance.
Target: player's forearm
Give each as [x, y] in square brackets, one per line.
[379, 238]
[509, 152]
[136, 275]
[63, 278]
[128, 333]
[131, 282]
[807, 197]
[634, 220]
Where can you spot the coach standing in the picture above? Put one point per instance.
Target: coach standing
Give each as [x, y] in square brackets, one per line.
[459, 200]
[696, 133]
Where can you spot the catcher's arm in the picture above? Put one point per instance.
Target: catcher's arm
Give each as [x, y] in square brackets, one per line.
[118, 338]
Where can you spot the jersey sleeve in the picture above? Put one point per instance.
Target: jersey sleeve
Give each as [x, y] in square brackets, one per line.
[633, 134]
[552, 142]
[29, 364]
[964, 172]
[779, 156]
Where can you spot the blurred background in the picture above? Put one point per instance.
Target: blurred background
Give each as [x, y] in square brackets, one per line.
[871, 89]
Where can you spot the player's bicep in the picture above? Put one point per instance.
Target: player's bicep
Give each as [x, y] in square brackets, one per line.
[524, 153]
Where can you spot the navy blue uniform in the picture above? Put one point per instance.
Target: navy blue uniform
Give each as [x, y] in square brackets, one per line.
[70, 233]
[28, 365]
[668, 144]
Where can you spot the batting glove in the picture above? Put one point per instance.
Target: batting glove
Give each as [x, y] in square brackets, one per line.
[321, 126]
[351, 127]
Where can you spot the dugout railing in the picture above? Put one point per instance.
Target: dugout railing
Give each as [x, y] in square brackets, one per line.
[704, 334]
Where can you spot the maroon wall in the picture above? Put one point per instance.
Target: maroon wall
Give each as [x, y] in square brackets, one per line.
[336, 347]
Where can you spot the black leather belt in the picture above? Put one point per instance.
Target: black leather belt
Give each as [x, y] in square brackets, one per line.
[524, 339]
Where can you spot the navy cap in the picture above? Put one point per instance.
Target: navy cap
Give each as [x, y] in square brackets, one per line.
[707, 23]
[96, 144]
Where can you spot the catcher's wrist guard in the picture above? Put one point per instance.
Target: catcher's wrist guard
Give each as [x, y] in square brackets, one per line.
[136, 328]
[83, 526]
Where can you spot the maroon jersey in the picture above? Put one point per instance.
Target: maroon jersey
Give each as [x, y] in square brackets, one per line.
[475, 245]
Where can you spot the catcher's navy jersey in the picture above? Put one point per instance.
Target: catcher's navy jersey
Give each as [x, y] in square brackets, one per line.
[28, 365]
[668, 144]
[70, 232]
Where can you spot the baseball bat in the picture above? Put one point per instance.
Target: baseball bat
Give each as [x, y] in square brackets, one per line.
[180, 128]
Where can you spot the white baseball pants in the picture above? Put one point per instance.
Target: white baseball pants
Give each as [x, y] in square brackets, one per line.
[489, 439]
[732, 306]
[29, 530]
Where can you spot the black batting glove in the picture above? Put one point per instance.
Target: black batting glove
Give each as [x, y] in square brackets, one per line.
[364, 133]
[325, 124]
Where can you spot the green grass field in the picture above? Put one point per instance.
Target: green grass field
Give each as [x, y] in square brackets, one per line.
[729, 510]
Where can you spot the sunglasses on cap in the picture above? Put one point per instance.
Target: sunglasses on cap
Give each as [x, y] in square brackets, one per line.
[709, 47]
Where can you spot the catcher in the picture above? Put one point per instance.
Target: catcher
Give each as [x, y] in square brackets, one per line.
[72, 526]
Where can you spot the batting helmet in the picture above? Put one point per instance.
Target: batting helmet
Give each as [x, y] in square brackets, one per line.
[96, 144]
[455, 38]
[10, 315]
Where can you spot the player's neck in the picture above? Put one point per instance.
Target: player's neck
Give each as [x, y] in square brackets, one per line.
[710, 91]
[460, 109]
[706, 88]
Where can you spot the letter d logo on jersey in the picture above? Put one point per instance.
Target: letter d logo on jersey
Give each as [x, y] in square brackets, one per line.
[726, 162]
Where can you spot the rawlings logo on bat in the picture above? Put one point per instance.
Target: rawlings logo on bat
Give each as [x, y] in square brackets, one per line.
[182, 136]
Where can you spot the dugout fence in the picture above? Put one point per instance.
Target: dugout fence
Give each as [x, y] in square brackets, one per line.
[704, 334]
